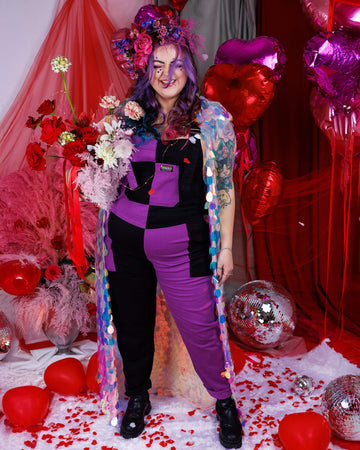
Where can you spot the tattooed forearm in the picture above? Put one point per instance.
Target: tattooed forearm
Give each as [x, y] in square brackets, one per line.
[224, 198]
[225, 183]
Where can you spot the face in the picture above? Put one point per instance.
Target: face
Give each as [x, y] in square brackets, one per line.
[168, 90]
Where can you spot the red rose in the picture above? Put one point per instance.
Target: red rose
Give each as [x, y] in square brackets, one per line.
[42, 223]
[33, 123]
[72, 149]
[91, 307]
[46, 107]
[57, 242]
[89, 135]
[35, 156]
[52, 273]
[51, 128]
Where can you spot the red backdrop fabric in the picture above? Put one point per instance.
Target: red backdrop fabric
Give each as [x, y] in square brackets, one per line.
[292, 245]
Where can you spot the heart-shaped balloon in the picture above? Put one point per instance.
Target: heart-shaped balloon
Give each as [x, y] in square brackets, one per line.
[117, 48]
[245, 91]
[25, 405]
[262, 50]
[305, 431]
[340, 126]
[65, 377]
[262, 191]
[332, 63]
[92, 373]
[178, 5]
[345, 16]
[19, 278]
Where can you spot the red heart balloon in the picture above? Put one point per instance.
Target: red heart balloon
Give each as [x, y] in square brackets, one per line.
[66, 377]
[18, 278]
[92, 373]
[305, 431]
[25, 405]
[245, 91]
[178, 4]
[262, 191]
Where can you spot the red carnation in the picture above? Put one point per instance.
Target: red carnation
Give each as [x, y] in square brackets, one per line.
[51, 128]
[89, 135]
[33, 123]
[72, 149]
[35, 156]
[57, 242]
[46, 107]
[52, 273]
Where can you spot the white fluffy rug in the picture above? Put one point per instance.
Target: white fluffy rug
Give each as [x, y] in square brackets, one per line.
[263, 391]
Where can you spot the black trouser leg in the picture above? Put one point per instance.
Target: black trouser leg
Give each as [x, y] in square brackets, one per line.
[133, 300]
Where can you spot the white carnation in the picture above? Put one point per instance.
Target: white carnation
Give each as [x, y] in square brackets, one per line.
[123, 149]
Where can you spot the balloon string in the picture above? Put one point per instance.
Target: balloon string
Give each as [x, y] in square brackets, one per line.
[331, 201]
[347, 201]
[247, 245]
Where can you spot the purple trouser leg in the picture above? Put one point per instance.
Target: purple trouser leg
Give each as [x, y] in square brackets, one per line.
[191, 303]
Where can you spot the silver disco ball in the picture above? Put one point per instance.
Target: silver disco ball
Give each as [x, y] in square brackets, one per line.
[5, 336]
[261, 314]
[341, 406]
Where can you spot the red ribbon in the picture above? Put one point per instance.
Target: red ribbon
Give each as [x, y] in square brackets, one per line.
[73, 221]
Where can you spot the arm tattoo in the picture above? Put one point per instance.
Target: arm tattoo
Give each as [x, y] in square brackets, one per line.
[224, 174]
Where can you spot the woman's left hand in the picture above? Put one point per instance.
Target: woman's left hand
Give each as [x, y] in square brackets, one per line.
[225, 265]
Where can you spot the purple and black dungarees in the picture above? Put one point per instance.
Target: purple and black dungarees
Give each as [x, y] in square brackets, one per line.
[157, 232]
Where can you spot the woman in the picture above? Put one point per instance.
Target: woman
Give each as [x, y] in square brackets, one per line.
[157, 230]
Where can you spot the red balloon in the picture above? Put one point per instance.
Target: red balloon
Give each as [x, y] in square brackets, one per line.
[25, 405]
[245, 91]
[305, 431]
[92, 373]
[66, 377]
[178, 4]
[17, 278]
[262, 191]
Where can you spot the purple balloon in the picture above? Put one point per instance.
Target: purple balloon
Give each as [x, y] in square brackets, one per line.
[332, 63]
[262, 50]
[147, 12]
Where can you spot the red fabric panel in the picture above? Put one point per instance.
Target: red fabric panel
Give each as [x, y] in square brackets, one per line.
[291, 245]
[81, 31]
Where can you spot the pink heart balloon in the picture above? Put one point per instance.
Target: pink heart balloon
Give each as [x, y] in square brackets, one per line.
[345, 16]
[262, 50]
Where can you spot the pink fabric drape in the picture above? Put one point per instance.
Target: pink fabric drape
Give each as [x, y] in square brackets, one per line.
[81, 31]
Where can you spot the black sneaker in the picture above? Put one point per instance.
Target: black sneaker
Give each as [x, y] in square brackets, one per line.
[230, 427]
[132, 424]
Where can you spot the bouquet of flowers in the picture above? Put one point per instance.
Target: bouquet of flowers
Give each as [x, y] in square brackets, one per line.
[101, 152]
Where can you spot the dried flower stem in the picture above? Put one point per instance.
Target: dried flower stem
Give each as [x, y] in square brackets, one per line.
[68, 97]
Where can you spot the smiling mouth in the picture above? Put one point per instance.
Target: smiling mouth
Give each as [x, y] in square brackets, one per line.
[166, 84]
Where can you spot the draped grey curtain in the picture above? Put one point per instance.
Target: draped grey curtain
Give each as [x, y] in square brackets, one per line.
[219, 21]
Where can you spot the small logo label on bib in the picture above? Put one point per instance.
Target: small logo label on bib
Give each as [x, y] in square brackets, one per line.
[166, 168]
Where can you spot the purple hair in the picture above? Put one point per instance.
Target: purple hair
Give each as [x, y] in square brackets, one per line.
[183, 115]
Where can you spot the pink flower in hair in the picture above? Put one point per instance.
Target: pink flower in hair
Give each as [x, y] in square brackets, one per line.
[143, 44]
[52, 272]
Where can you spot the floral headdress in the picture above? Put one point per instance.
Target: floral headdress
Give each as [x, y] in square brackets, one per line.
[153, 26]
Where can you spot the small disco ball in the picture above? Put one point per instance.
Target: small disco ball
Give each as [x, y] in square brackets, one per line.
[341, 406]
[261, 314]
[303, 385]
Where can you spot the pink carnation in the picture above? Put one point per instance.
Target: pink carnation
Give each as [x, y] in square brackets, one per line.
[143, 44]
[133, 110]
[52, 273]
